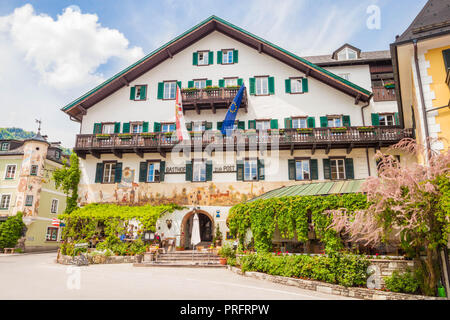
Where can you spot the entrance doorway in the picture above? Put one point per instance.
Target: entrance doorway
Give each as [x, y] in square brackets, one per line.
[206, 225]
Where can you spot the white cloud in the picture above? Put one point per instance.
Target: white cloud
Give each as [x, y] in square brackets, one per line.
[66, 52]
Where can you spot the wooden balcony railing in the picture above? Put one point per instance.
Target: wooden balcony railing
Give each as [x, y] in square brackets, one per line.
[284, 138]
[217, 98]
[383, 94]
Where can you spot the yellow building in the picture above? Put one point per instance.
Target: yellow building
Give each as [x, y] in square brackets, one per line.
[421, 59]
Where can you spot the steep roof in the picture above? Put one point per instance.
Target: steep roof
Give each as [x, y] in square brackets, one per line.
[213, 23]
[433, 19]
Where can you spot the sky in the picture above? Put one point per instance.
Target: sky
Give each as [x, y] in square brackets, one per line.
[53, 51]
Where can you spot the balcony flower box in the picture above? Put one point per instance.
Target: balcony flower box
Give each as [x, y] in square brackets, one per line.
[124, 136]
[304, 130]
[102, 136]
[365, 129]
[189, 90]
[211, 88]
[168, 134]
[233, 87]
[339, 129]
[389, 85]
[195, 133]
[250, 132]
[148, 135]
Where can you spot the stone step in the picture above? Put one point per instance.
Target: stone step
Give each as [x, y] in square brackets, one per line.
[179, 265]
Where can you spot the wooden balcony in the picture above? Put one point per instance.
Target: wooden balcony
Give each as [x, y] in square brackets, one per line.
[383, 94]
[211, 99]
[283, 139]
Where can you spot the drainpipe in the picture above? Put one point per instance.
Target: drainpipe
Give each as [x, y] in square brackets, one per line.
[362, 112]
[422, 101]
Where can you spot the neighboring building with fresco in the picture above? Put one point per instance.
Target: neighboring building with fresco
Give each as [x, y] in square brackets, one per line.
[421, 57]
[298, 123]
[26, 186]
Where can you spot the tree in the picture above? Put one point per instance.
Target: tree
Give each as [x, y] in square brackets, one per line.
[68, 178]
[11, 230]
[409, 203]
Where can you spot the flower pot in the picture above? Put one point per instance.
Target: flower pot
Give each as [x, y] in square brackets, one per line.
[223, 261]
[179, 249]
[139, 258]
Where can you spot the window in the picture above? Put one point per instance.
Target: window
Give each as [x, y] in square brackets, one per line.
[139, 92]
[262, 85]
[54, 208]
[108, 128]
[57, 154]
[251, 170]
[347, 54]
[4, 201]
[334, 122]
[299, 123]
[387, 120]
[153, 172]
[52, 234]
[346, 76]
[230, 82]
[34, 170]
[168, 127]
[109, 172]
[337, 169]
[227, 56]
[136, 127]
[170, 89]
[203, 58]
[198, 126]
[10, 171]
[262, 124]
[29, 200]
[200, 84]
[199, 171]
[5, 146]
[302, 170]
[296, 85]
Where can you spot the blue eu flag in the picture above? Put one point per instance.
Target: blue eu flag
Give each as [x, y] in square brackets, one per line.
[228, 123]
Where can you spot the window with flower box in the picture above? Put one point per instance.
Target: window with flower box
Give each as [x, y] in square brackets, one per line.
[10, 172]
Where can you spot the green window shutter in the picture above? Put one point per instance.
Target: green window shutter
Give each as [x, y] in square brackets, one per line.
[211, 57]
[156, 127]
[346, 121]
[261, 173]
[143, 167]
[219, 57]
[219, 125]
[326, 169]
[99, 173]
[349, 172]
[240, 170]
[195, 59]
[189, 126]
[240, 82]
[397, 122]
[375, 119]
[132, 93]
[160, 90]
[274, 124]
[271, 85]
[145, 127]
[323, 122]
[97, 128]
[208, 83]
[314, 169]
[208, 125]
[190, 84]
[209, 170]
[162, 170]
[117, 127]
[251, 124]
[188, 171]
[143, 94]
[235, 56]
[179, 84]
[311, 121]
[126, 127]
[291, 168]
[252, 86]
[118, 173]
[222, 83]
[287, 85]
[287, 123]
[305, 84]
[241, 125]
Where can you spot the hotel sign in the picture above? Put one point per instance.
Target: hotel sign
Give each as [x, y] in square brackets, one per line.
[218, 169]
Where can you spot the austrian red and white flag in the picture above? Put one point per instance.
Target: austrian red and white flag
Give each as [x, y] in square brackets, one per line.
[55, 222]
[182, 132]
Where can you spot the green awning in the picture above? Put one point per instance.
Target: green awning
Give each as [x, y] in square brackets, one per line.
[315, 189]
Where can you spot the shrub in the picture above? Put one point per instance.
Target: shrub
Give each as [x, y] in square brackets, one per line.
[227, 251]
[11, 230]
[406, 282]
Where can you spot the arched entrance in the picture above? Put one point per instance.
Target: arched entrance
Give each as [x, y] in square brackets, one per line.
[206, 223]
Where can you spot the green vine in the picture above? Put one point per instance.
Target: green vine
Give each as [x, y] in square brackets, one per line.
[68, 177]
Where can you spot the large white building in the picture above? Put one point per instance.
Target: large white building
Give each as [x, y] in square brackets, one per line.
[298, 123]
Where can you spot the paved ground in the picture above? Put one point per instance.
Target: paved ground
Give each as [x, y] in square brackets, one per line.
[37, 276]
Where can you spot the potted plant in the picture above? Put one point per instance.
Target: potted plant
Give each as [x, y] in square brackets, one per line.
[218, 237]
[124, 136]
[148, 135]
[365, 129]
[103, 136]
[179, 248]
[339, 129]
[226, 252]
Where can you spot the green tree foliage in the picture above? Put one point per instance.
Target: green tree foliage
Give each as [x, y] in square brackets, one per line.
[290, 215]
[15, 133]
[68, 178]
[11, 231]
[407, 282]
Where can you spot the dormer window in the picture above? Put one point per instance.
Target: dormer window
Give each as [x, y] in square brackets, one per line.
[5, 146]
[347, 54]
[57, 154]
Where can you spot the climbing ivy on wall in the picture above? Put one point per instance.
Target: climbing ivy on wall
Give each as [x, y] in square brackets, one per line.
[290, 215]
